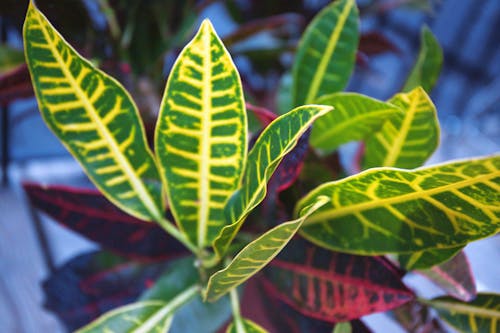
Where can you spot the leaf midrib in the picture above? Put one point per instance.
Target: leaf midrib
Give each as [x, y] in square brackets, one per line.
[336, 212]
[103, 131]
[332, 43]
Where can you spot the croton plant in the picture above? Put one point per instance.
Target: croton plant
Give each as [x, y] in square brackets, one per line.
[320, 248]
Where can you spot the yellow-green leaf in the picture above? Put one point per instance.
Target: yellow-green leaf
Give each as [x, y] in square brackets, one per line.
[326, 53]
[430, 58]
[277, 140]
[386, 210]
[95, 118]
[344, 327]
[408, 139]
[427, 259]
[355, 117]
[246, 326]
[201, 135]
[140, 317]
[257, 254]
[479, 316]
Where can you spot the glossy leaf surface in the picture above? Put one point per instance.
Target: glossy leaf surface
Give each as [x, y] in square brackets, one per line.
[355, 117]
[95, 118]
[278, 139]
[389, 210]
[430, 58]
[257, 254]
[327, 52]
[247, 326]
[427, 259]
[482, 315]
[201, 135]
[90, 214]
[406, 140]
[334, 287]
[454, 276]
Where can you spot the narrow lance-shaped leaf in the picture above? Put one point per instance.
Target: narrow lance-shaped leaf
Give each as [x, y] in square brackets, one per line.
[479, 316]
[427, 259]
[331, 286]
[201, 135]
[406, 140]
[277, 140]
[430, 58]
[248, 326]
[355, 117]
[387, 210]
[95, 118]
[327, 52]
[257, 254]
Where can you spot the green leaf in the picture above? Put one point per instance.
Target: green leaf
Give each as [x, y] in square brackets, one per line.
[479, 316]
[426, 259]
[257, 254]
[342, 328]
[430, 58]
[355, 117]
[406, 140]
[10, 58]
[387, 210]
[95, 118]
[140, 317]
[247, 326]
[327, 52]
[201, 135]
[277, 140]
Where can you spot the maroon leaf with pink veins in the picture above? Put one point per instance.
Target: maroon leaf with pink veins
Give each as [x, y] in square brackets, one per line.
[332, 286]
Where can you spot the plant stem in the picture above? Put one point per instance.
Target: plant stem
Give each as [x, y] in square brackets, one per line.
[235, 305]
[174, 232]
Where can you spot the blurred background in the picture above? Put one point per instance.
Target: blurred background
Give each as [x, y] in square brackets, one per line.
[137, 42]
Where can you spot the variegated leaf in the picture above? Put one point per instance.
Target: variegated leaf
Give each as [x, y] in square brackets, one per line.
[387, 210]
[95, 118]
[430, 58]
[257, 254]
[326, 53]
[277, 140]
[355, 117]
[245, 326]
[201, 135]
[406, 140]
[426, 259]
[482, 315]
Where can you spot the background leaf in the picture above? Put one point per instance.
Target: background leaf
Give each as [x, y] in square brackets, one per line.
[95, 118]
[355, 116]
[201, 135]
[277, 140]
[406, 140]
[326, 53]
[397, 211]
[332, 286]
[430, 59]
[481, 315]
[248, 326]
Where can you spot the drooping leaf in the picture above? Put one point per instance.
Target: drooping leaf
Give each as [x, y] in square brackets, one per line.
[92, 283]
[257, 254]
[95, 118]
[201, 135]
[454, 276]
[430, 58]
[326, 53]
[429, 258]
[387, 210]
[416, 317]
[278, 139]
[90, 214]
[247, 326]
[479, 316]
[334, 287]
[355, 117]
[406, 140]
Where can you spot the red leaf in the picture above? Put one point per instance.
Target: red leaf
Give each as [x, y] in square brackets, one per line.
[93, 283]
[264, 115]
[374, 43]
[334, 287]
[15, 84]
[89, 213]
[454, 276]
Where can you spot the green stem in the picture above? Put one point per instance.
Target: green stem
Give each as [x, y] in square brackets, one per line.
[174, 232]
[235, 305]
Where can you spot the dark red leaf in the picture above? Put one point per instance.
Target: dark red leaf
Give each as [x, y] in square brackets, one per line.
[454, 276]
[264, 115]
[415, 317]
[374, 43]
[89, 213]
[15, 84]
[332, 286]
[93, 283]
